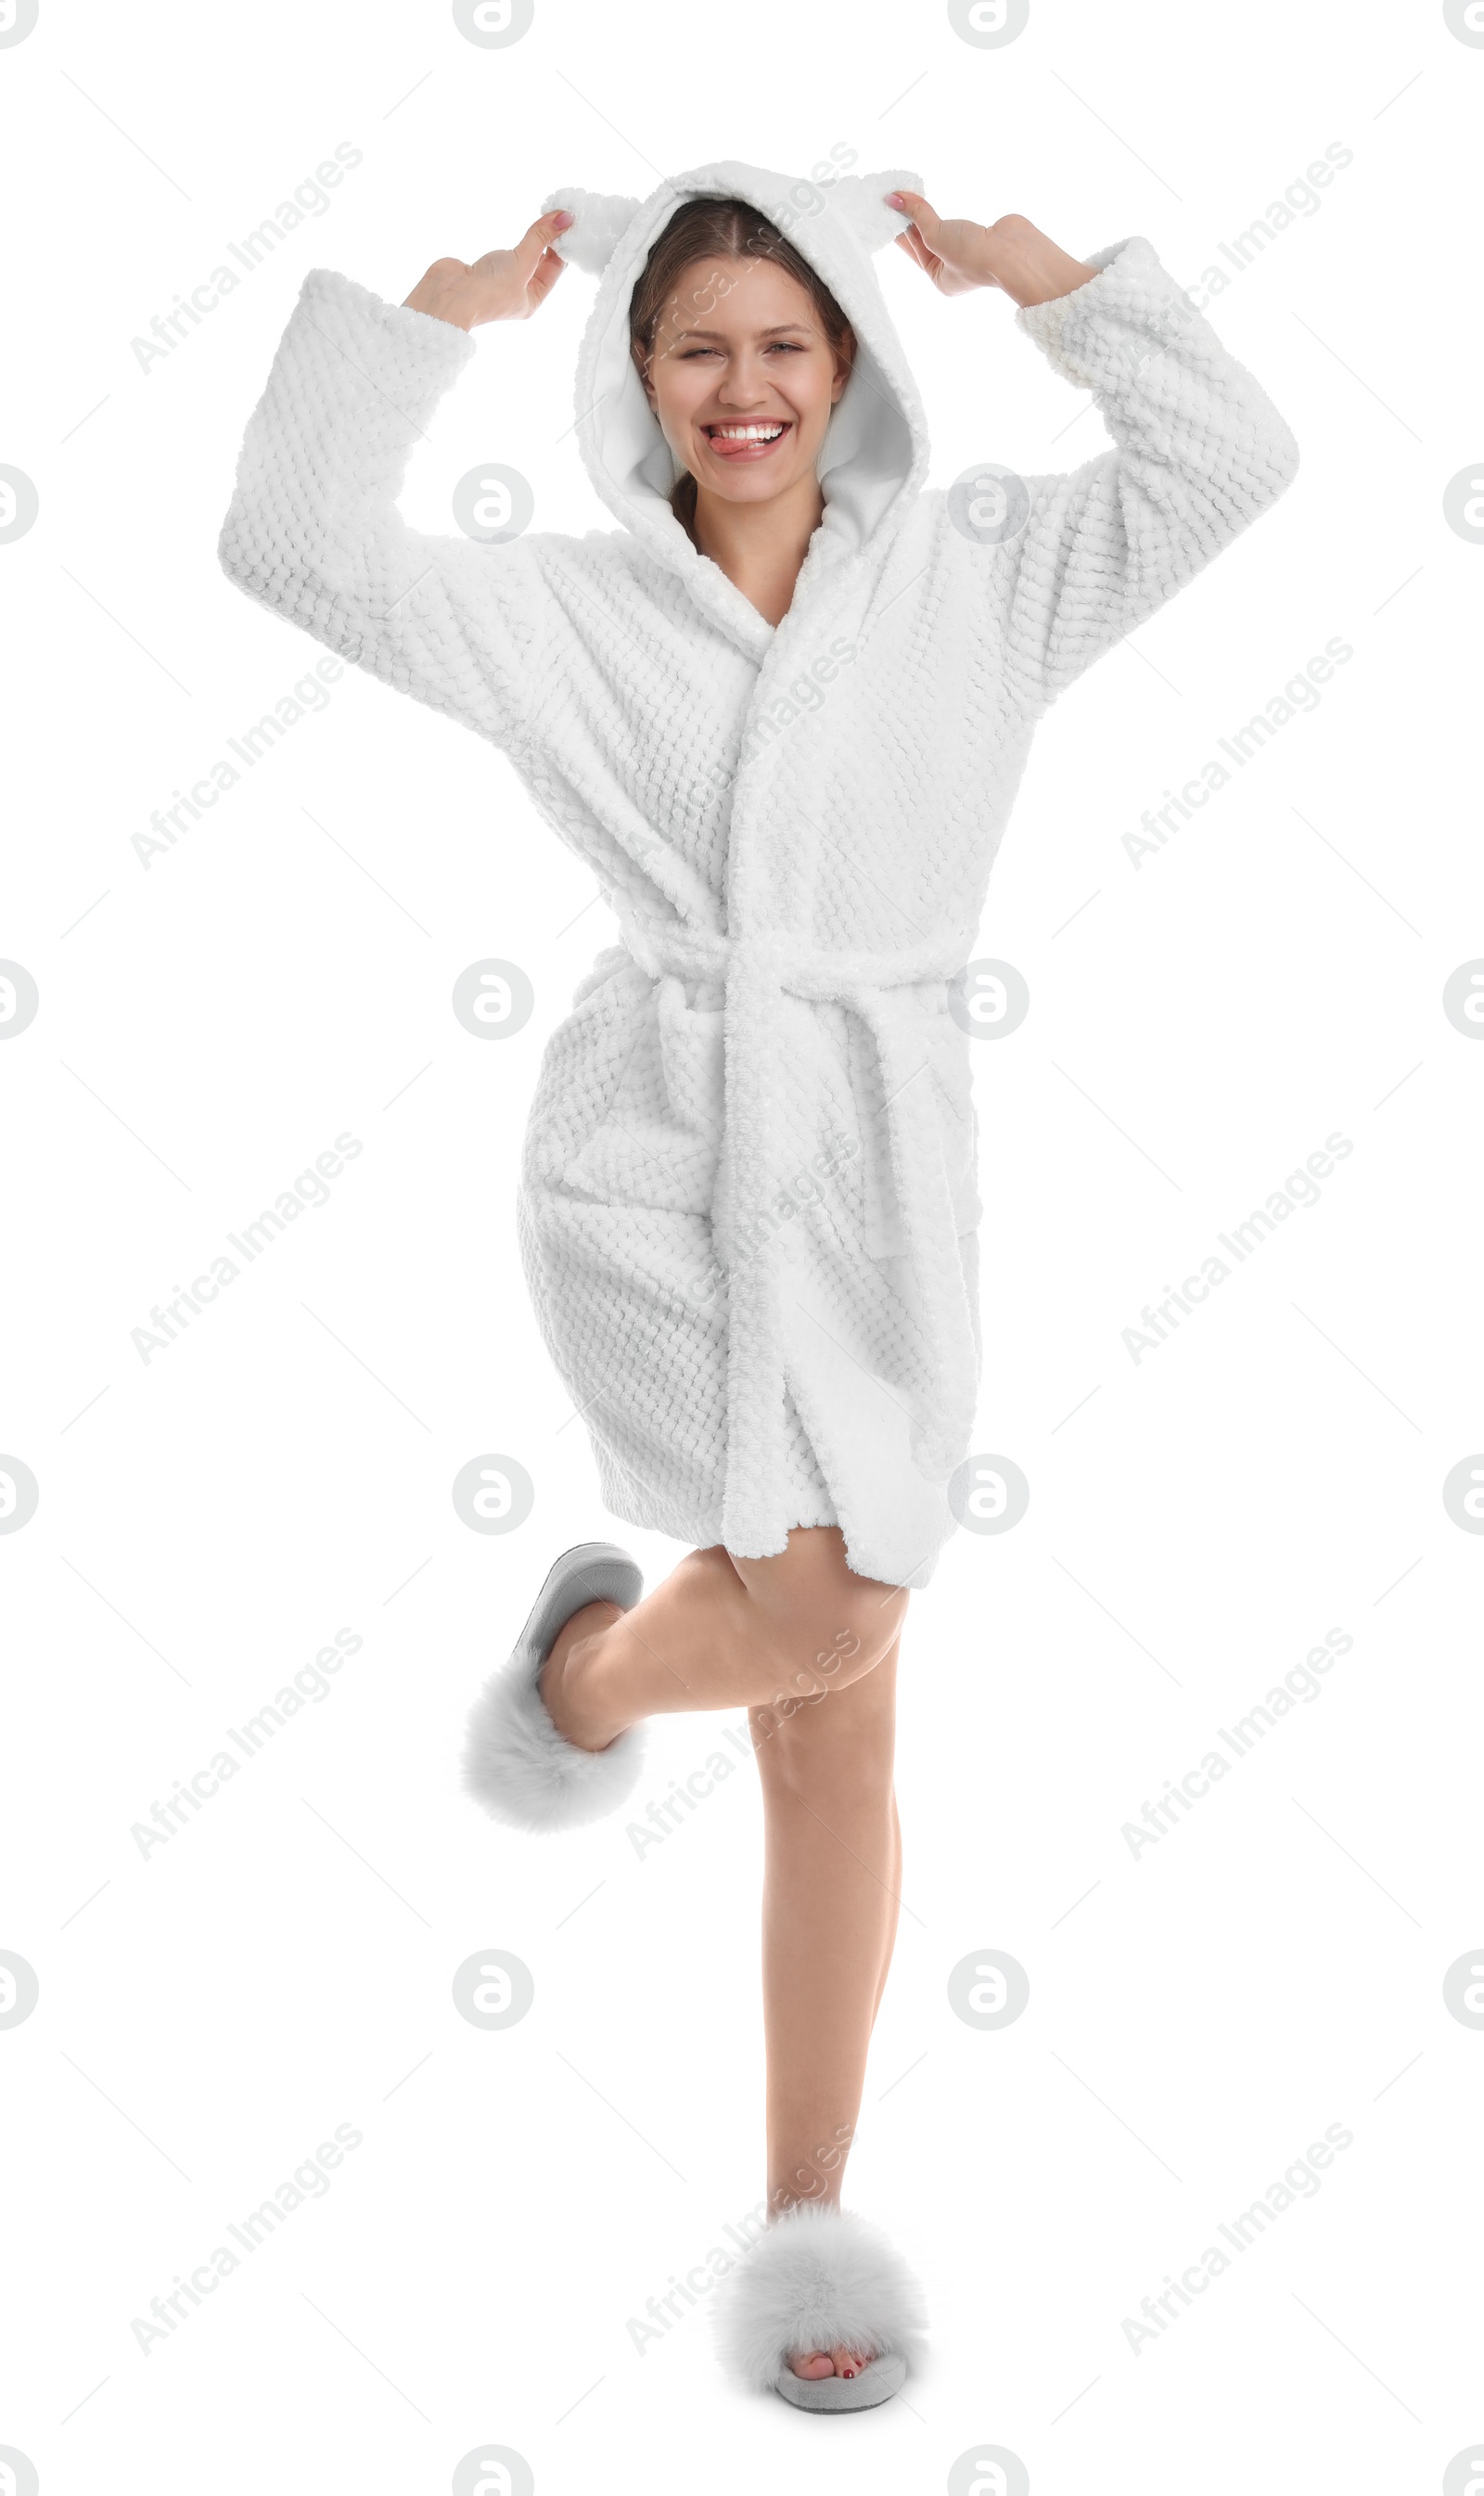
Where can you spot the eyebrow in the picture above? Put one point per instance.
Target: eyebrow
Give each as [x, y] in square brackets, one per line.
[779, 329]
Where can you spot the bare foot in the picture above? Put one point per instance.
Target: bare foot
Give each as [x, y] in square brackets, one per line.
[564, 1685]
[830, 2361]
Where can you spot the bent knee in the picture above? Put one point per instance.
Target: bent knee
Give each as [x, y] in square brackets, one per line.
[810, 1599]
[852, 1638]
[814, 1755]
[834, 1752]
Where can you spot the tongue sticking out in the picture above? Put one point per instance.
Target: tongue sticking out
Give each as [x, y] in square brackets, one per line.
[745, 441]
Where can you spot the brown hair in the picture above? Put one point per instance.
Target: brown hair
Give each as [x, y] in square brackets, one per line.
[718, 229]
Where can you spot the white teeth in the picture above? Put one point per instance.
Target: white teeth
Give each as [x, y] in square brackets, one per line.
[745, 432]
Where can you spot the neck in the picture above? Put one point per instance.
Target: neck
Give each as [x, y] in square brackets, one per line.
[761, 547]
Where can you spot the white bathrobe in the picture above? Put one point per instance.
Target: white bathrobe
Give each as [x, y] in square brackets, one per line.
[748, 1207]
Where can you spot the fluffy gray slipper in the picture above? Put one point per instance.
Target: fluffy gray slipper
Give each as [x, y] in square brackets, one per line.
[821, 2278]
[516, 1763]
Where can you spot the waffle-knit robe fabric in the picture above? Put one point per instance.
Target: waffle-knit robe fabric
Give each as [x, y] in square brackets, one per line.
[748, 1198]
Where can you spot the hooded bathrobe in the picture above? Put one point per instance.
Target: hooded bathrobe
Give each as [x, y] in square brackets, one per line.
[748, 1205]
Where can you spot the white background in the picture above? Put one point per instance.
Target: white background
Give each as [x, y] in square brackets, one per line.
[1197, 1519]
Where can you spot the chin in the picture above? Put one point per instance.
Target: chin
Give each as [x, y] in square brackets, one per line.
[753, 486]
[760, 489]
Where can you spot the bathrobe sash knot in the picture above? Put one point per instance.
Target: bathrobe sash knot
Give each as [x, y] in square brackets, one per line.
[755, 970]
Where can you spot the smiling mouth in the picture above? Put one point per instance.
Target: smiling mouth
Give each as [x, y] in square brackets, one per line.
[745, 441]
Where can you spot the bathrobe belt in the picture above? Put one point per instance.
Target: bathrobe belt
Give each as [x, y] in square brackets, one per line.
[756, 971]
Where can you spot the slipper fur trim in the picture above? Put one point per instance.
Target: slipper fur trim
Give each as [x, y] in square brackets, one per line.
[516, 1763]
[818, 2277]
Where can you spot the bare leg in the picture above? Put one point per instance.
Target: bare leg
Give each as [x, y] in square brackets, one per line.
[722, 1632]
[829, 1921]
[810, 1649]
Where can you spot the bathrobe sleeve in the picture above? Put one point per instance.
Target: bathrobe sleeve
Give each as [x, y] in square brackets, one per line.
[1201, 450]
[312, 530]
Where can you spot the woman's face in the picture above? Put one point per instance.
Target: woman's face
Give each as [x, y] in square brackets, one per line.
[743, 378]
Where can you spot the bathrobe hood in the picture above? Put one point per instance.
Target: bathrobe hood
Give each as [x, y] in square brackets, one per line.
[874, 453]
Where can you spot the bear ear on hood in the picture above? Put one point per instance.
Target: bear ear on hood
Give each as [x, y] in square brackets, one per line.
[599, 219]
[858, 199]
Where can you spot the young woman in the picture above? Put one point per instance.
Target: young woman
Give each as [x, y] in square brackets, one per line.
[782, 712]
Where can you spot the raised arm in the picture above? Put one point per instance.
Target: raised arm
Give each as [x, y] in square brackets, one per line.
[1201, 450]
[312, 530]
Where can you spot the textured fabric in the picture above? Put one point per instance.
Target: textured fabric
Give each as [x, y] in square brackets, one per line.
[749, 1202]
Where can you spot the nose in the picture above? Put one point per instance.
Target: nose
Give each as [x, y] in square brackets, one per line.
[745, 384]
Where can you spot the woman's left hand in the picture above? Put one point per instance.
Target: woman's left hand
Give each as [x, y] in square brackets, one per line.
[1012, 253]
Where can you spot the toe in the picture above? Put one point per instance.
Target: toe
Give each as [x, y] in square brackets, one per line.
[849, 2361]
[812, 2365]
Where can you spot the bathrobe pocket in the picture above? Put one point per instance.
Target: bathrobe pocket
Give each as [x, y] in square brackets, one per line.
[656, 1141]
[942, 1092]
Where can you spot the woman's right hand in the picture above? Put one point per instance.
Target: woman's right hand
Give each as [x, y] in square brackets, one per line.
[502, 286]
